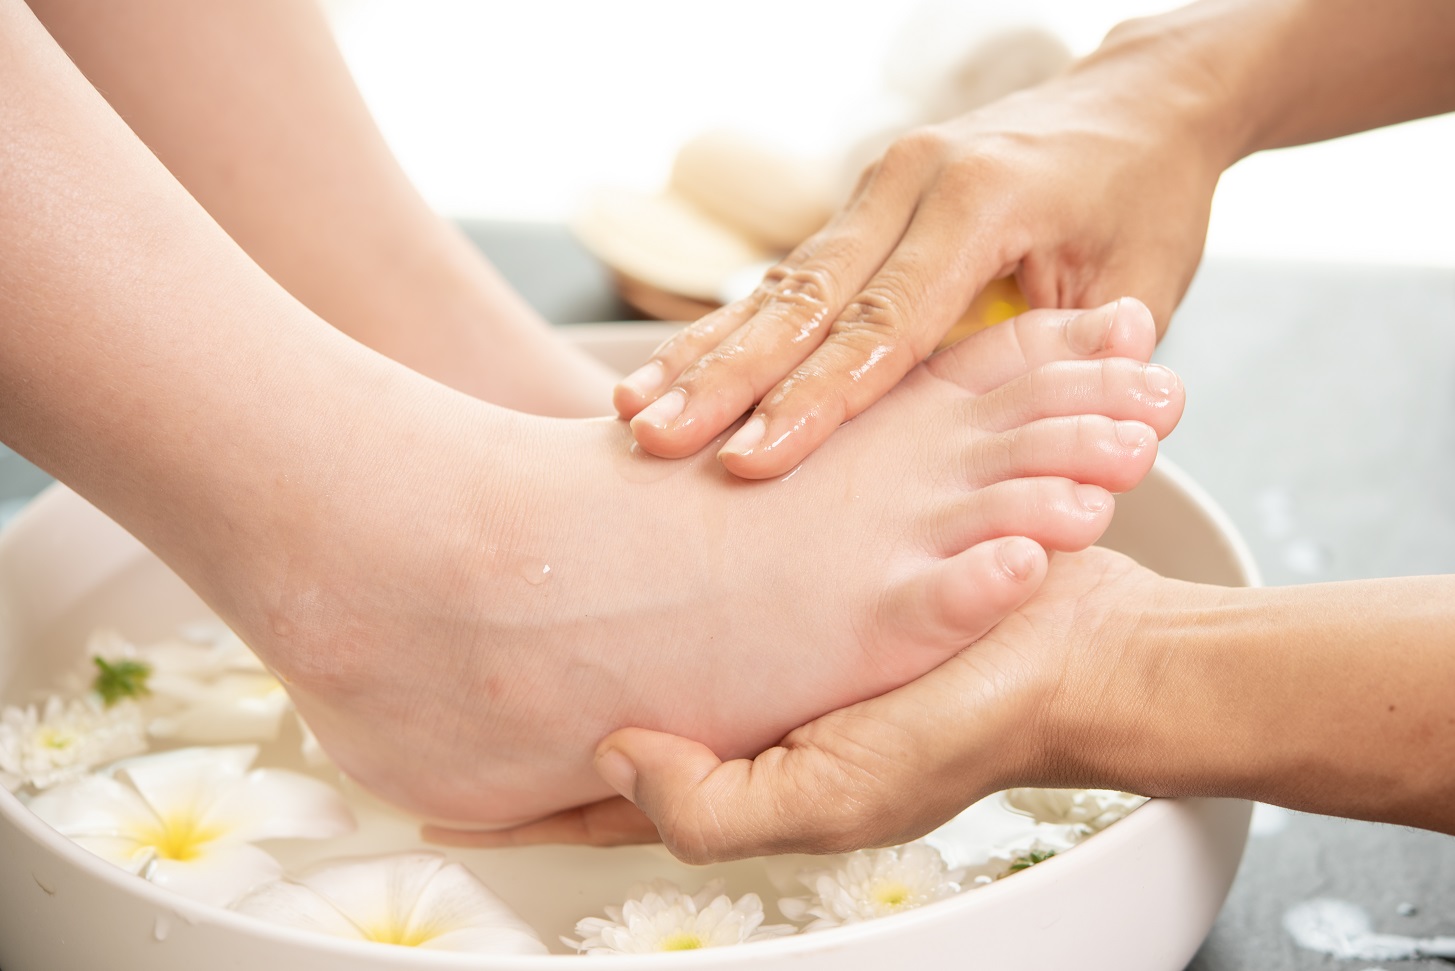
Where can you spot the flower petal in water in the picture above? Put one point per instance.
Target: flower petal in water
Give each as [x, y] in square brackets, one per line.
[63, 740]
[187, 819]
[873, 883]
[1089, 810]
[208, 688]
[411, 899]
[660, 917]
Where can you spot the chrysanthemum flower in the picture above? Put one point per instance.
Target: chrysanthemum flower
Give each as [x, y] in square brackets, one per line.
[1090, 810]
[410, 899]
[187, 819]
[873, 883]
[660, 917]
[44, 746]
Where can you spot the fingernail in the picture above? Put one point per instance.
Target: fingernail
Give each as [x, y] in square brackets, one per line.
[1133, 434]
[1018, 557]
[618, 772]
[1087, 334]
[1160, 380]
[645, 379]
[1093, 498]
[659, 414]
[746, 438]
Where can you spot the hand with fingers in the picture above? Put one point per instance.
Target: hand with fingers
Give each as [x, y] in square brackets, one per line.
[1084, 194]
[1110, 676]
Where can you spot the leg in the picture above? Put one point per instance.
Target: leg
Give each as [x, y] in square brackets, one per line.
[251, 107]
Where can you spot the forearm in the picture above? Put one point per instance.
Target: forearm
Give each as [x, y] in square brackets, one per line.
[1261, 74]
[144, 359]
[1331, 698]
[250, 106]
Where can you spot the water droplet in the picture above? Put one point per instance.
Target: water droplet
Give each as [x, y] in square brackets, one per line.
[537, 574]
[161, 929]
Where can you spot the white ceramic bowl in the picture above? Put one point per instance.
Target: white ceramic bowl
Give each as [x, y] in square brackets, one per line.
[1140, 896]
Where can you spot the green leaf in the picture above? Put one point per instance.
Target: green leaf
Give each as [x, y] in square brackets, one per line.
[123, 679]
[1028, 861]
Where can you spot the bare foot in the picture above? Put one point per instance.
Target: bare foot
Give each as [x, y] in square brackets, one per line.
[464, 613]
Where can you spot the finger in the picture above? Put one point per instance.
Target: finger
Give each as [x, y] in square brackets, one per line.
[1115, 455]
[707, 810]
[611, 822]
[644, 385]
[707, 385]
[1115, 387]
[997, 355]
[888, 327]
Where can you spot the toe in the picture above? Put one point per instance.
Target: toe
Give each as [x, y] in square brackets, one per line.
[1118, 388]
[957, 600]
[1115, 455]
[1060, 514]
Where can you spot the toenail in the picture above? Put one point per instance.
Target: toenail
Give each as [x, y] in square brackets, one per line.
[1018, 557]
[659, 414]
[746, 438]
[1133, 434]
[1160, 380]
[645, 379]
[1087, 333]
[1093, 498]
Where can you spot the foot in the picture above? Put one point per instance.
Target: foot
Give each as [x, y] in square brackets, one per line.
[464, 614]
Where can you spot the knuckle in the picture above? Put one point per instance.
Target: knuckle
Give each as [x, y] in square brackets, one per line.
[914, 151]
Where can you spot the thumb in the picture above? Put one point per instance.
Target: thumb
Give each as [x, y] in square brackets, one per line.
[792, 798]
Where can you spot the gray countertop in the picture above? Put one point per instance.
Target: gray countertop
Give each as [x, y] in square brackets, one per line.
[1321, 415]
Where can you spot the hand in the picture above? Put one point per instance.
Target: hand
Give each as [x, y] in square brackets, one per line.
[1015, 708]
[1084, 192]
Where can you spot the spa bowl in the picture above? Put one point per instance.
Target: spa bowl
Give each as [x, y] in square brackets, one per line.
[1139, 896]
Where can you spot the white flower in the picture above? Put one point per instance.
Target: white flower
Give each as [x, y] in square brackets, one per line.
[411, 899]
[65, 739]
[1007, 860]
[660, 917]
[873, 883]
[206, 688]
[187, 819]
[1087, 810]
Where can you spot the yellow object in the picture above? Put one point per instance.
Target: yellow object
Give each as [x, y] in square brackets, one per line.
[999, 301]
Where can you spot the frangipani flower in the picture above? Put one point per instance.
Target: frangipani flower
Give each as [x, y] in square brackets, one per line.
[411, 899]
[206, 688]
[1088, 810]
[187, 819]
[65, 739]
[660, 917]
[873, 883]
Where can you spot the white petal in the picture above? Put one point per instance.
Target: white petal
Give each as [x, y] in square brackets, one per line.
[220, 874]
[455, 901]
[128, 854]
[186, 778]
[278, 804]
[295, 905]
[488, 940]
[235, 708]
[93, 806]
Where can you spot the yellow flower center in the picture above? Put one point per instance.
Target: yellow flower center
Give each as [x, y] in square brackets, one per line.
[55, 739]
[401, 934]
[681, 941]
[892, 895]
[180, 837]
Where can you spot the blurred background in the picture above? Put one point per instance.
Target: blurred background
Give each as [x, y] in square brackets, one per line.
[512, 111]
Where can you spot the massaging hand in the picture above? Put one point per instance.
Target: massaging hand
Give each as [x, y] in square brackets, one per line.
[1082, 192]
[1033, 702]
[1329, 698]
